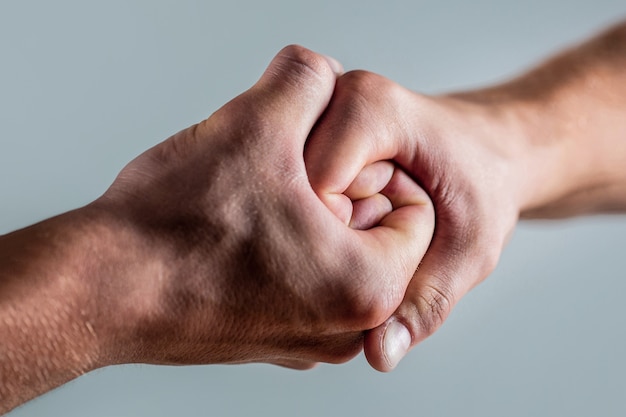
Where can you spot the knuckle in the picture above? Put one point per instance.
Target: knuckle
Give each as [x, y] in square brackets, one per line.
[433, 305]
[359, 301]
[360, 80]
[472, 236]
[372, 102]
[357, 307]
[367, 86]
[365, 80]
[368, 309]
[239, 119]
[302, 62]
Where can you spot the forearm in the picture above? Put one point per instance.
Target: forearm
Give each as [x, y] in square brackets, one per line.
[54, 325]
[568, 118]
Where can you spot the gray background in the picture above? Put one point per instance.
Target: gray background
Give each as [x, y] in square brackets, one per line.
[86, 86]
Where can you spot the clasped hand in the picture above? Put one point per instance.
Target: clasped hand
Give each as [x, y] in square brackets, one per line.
[288, 227]
[297, 223]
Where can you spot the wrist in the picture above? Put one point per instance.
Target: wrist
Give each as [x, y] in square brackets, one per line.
[500, 145]
[130, 270]
[570, 164]
[160, 278]
[100, 256]
[570, 113]
[549, 165]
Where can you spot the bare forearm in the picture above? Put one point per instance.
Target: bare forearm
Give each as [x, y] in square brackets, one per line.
[570, 116]
[53, 326]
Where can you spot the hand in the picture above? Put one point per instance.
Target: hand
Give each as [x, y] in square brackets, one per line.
[462, 156]
[241, 261]
[212, 247]
[549, 143]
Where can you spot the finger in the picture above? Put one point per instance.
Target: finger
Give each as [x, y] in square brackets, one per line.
[294, 91]
[439, 283]
[340, 205]
[371, 180]
[371, 207]
[369, 211]
[400, 240]
[402, 191]
[349, 136]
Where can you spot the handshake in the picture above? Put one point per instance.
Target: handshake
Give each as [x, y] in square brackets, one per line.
[295, 225]
[318, 214]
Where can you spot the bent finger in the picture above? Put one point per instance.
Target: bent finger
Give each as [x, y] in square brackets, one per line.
[369, 211]
[349, 136]
[371, 180]
[399, 242]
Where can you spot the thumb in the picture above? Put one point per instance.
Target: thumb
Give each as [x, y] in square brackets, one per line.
[437, 285]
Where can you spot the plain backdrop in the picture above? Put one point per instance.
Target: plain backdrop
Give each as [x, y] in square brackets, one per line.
[85, 86]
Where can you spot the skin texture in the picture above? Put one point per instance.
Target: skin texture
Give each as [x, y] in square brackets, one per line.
[549, 144]
[221, 246]
[212, 247]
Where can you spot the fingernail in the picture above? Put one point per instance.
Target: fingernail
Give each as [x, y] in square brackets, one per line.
[396, 342]
[334, 65]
